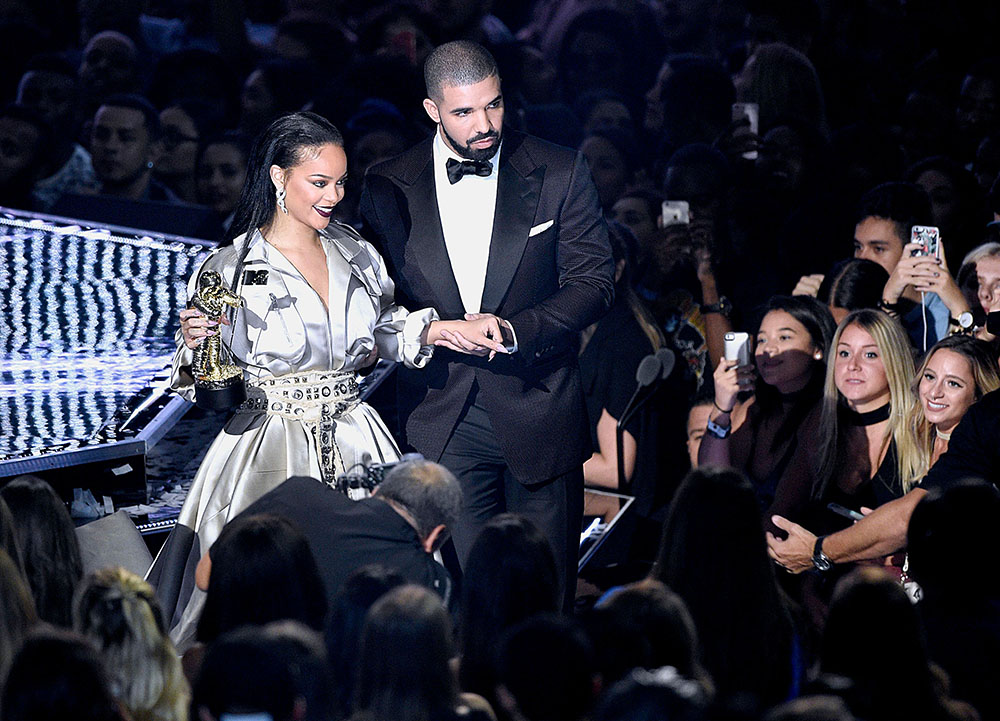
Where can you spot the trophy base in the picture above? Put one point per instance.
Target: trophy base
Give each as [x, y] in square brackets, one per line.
[220, 396]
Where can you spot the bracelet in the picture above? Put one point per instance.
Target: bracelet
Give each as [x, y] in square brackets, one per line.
[721, 409]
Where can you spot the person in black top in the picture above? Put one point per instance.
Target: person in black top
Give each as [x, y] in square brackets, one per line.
[399, 527]
[973, 452]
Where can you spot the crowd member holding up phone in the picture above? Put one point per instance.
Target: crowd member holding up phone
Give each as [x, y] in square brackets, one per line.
[918, 283]
[772, 436]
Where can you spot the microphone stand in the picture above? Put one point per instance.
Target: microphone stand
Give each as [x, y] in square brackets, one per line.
[653, 368]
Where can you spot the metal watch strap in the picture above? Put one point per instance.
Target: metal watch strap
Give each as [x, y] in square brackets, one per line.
[820, 560]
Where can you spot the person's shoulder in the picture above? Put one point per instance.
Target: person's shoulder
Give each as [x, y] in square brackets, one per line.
[541, 150]
[988, 406]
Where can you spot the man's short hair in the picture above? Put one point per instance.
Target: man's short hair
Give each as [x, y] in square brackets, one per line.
[903, 204]
[457, 63]
[151, 118]
[427, 490]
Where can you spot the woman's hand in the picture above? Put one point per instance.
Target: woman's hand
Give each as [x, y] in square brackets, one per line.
[922, 272]
[730, 380]
[945, 286]
[195, 327]
[478, 335]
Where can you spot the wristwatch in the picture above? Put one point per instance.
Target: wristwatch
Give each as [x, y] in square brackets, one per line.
[962, 324]
[724, 307]
[820, 560]
[716, 430]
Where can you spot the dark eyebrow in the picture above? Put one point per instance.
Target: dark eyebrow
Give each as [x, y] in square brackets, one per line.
[456, 111]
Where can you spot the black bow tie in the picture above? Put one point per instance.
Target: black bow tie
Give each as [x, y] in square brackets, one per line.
[459, 168]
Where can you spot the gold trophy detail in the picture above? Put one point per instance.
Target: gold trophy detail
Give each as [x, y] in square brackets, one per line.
[218, 382]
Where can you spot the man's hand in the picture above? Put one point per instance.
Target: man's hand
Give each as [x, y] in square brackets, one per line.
[794, 554]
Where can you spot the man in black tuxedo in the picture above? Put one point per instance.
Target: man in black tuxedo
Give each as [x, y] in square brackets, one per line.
[478, 220]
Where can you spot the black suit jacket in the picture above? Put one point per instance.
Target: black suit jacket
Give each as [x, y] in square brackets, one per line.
[550, 285]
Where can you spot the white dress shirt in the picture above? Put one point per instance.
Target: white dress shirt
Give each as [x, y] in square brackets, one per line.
[466, 210]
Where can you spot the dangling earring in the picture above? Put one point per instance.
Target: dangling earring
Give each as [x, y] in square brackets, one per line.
[281, 200]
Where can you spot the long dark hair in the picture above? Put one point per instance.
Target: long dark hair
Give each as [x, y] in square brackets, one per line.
[510, 575]
[818, 322]
[406, 646]
[262, 571]
[49, 547]
[714, 555]
[281, 144]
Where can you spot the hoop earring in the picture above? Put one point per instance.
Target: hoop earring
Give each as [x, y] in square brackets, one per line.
[281, 200]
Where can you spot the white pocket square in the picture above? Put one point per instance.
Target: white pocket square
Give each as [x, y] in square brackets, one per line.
[540, 227]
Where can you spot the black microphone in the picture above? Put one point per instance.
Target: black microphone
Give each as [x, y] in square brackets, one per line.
[649, 371]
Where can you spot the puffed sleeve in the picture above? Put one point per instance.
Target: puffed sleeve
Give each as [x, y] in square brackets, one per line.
[398, 331]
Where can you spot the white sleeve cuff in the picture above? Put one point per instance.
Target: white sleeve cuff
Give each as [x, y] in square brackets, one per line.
[414, 354]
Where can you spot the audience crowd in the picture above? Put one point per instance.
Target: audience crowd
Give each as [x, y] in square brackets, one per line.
[762, 165]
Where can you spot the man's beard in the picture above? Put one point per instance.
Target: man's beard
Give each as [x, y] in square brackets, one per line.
[470, 153]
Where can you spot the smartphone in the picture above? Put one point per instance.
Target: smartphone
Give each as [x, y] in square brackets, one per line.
[675, 212]
[737, 348]
[750, 111]
[928, 236]
[845, 512]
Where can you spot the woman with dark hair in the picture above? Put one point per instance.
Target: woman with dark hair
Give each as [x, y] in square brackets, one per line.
[714, 556]
[58, 675]
[317, 306]
[772, 435]
[17, 612]
[260, 570]
[858, 284]
[49, 548]
[343, 631]
[404, 671]
[510, 575]
[874, 638]
[8, 536]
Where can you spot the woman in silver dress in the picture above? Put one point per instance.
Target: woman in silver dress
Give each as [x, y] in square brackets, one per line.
[318, 306]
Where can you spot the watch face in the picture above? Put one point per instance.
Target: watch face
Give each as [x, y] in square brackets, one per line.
[822, 563]
[965, 320]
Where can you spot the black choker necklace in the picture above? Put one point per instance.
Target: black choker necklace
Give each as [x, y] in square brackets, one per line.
[870, 418]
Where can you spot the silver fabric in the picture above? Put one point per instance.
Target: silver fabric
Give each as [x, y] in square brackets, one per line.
[289, 346]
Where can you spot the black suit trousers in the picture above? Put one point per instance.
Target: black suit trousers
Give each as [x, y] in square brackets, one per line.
[555, 505]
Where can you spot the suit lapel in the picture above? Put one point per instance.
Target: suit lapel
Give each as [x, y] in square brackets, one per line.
[519, 184]
[426, 240]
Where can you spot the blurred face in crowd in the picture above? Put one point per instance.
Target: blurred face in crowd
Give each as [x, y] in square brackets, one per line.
[946, 205]
[374, 147]
[988, 277]
[609, 114]
[53, 95]
[697, 420]
[180, 143]
[314, 186]
[19, 141]
[257, 103]
[978, 107]
[785, 352]
[858, 370]
[221, 174]
[878, 239]
[120, 144]
[946, 389]
[593, 61]
[470, 117]
[635, 214]
[109, 64]
[781, 160]
[608, 168]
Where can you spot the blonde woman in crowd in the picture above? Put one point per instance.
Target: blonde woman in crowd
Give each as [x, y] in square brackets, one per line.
[118, 611]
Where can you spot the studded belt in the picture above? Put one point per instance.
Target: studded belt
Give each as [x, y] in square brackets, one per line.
[316, 399]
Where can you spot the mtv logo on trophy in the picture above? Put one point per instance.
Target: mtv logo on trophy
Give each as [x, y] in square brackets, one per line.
[218, 382]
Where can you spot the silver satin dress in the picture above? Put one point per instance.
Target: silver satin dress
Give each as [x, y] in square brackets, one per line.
[284, 335]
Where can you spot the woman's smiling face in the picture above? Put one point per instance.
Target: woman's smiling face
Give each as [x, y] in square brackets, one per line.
[946, 389]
